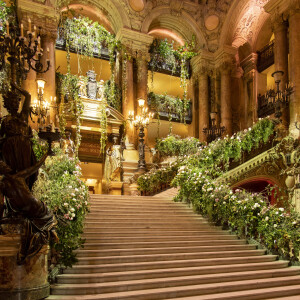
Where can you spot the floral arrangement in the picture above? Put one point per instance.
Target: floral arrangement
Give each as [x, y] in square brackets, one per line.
[163, 52]
[152, 180]
[173, 145]
[60, 187]
[249, 215]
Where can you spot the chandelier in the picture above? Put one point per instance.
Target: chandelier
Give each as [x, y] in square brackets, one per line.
[22, 51]
[213, 132]
[276, 98]
[141, 122]
[40, 106]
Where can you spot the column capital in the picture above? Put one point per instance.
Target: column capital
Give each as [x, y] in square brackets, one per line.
[280, 7]
[224, 58]
[278, 22]
[202, 63]
[41, 15]
[249, 63]
[136, 42]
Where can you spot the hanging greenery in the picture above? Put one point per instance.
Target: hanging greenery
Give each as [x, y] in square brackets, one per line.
[173, 106]
[87, 38]
[5, 13]
[165, 55]
[116, 100]
[70, 104]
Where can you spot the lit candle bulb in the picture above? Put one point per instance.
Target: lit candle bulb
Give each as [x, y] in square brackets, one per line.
[29, 25]
[48, 53]
[7, 27]
[22, 33]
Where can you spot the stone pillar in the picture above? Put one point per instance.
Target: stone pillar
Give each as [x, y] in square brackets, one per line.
[203, 103]
[142, 83]
[281, 57]
[226, 113]
[135, 42]
[128, 101]
[193, 95]
[48, 43]
[294, 40]
[281, 48]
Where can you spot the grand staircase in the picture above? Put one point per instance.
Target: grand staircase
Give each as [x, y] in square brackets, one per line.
[152, 248]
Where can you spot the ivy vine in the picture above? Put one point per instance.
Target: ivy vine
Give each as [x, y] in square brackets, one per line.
[169, 104]
[87, 38]
[164, 54]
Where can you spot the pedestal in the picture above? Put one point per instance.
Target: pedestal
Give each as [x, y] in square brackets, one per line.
[24, 282]
[115, 188]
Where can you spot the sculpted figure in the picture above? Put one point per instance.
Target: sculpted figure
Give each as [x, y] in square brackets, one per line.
[18, 171]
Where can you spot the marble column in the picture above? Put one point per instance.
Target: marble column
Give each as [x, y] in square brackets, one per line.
[193, 95]
[142, 84]
[128, 101]
[294, 43]
[281, 57]
[203, 103]
[48, 43]
[226, 114]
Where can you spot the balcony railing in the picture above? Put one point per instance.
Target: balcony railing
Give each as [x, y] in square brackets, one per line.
[61, 45]
[265, 57]
[165, 111]
[263, 108]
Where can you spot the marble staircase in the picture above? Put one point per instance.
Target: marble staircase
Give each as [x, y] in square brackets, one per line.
[153, 248]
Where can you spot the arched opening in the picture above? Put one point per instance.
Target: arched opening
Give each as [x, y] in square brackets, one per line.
[259, 185]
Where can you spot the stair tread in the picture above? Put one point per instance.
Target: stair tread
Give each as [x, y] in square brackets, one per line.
[150, 248]
[202, 278]
[200, 288]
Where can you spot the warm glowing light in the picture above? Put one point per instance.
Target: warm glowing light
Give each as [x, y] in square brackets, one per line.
[41, 84]
[169, 34]
[141, 102]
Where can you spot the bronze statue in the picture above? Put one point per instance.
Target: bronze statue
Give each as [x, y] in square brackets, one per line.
[15, 133]
[18, 171]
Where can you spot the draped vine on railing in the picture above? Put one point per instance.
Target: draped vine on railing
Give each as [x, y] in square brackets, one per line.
[86, 38]
[164, 53]
[173, 106]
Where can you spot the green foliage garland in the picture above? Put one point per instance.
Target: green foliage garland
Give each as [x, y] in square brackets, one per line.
[173, 145]
[249, 215]
[59, 185]
[164, 52]
[169, 104]
[87, 38]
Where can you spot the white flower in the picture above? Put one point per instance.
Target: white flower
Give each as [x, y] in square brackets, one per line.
[73, 215]
[281, 208]
[275, 225]
[267, 218]
[66, 204]
[72, 209]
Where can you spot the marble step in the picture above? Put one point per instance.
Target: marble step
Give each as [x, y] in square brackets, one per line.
[288, 293]
[99, 238]
[91, 260]
[133, 245]
[161, 233]
[91, 251]
[133, 285]
[178, 291]
[118, 267]
[175, 272]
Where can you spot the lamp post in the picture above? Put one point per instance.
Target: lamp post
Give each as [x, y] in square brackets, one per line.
[40, 106]
[277, 98]
[214, 131]
[141, 121]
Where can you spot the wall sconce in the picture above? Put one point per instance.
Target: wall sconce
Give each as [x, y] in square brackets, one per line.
[40, 106]
[213, 131]
[141, 121]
